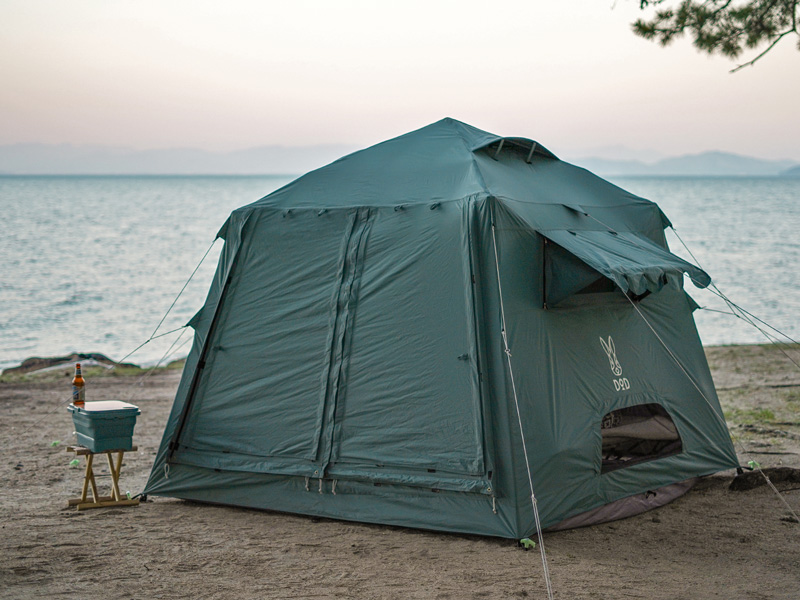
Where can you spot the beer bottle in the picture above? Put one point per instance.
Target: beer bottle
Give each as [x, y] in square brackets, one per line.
[78, 387]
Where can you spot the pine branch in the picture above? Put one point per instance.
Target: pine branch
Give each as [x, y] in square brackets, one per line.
[722, 26]
[750, 63]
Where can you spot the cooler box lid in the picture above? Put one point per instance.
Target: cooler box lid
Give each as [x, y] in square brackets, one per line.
[106, 409]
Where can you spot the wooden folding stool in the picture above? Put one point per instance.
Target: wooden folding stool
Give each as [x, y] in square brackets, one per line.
[97, 501]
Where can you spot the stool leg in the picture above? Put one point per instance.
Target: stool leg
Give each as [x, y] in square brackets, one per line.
[119, 465]
[86, 478]
[90, 475]
[114, 477]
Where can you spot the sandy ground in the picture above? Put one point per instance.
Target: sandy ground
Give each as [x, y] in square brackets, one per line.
[711, 543]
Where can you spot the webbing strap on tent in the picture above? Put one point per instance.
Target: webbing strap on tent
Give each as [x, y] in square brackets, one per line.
[507, 351]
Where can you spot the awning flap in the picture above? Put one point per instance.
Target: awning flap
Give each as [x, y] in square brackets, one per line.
[635, 263]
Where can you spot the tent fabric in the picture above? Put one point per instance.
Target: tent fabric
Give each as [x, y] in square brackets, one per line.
[636, 264]
[348, 359]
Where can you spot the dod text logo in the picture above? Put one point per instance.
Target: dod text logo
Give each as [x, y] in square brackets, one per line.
[620, 383]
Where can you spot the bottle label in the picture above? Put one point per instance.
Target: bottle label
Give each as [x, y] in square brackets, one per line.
[78, 394]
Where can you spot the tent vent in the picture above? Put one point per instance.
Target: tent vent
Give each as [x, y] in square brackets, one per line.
[637, 434]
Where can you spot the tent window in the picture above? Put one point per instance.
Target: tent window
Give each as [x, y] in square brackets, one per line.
[566, 276]
[604, 286]
[601, 286]
[575, 262]
[637, 434]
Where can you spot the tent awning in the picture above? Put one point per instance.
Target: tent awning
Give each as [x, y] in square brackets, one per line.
[632, 261]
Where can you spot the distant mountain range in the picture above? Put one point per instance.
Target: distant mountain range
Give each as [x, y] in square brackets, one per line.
[793, 172]
[706, 163]
[68, 159]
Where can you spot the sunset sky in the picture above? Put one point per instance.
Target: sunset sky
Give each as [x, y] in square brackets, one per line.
[237, 74]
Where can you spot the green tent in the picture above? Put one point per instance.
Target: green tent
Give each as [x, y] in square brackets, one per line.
[405, 335]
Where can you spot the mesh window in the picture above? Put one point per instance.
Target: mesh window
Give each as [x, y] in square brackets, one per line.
[637, 434]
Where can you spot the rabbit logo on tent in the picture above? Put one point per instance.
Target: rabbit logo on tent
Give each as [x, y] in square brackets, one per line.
[611, 352]
[621, 383]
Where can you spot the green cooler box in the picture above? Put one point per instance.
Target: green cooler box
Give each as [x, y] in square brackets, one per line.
[105, 424]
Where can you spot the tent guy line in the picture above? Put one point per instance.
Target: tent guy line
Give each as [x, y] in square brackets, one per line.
[744, 315]
[534, 506]
[748, 318]
[169, 352]
[731, 304]
[171, 306]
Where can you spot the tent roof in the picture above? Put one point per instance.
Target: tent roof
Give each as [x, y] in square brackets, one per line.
[447, 160]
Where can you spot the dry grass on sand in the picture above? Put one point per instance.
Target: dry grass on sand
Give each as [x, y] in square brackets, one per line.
[711, 543]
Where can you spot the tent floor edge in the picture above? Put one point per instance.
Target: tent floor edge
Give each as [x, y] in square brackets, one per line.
[391, 505]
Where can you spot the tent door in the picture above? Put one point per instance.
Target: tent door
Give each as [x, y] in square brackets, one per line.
[261, 402]
[341, 332]
[405, 404]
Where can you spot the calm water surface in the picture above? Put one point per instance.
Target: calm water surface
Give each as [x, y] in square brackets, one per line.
[91, 264]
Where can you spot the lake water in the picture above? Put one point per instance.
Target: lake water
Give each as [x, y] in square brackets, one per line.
[91, 264]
